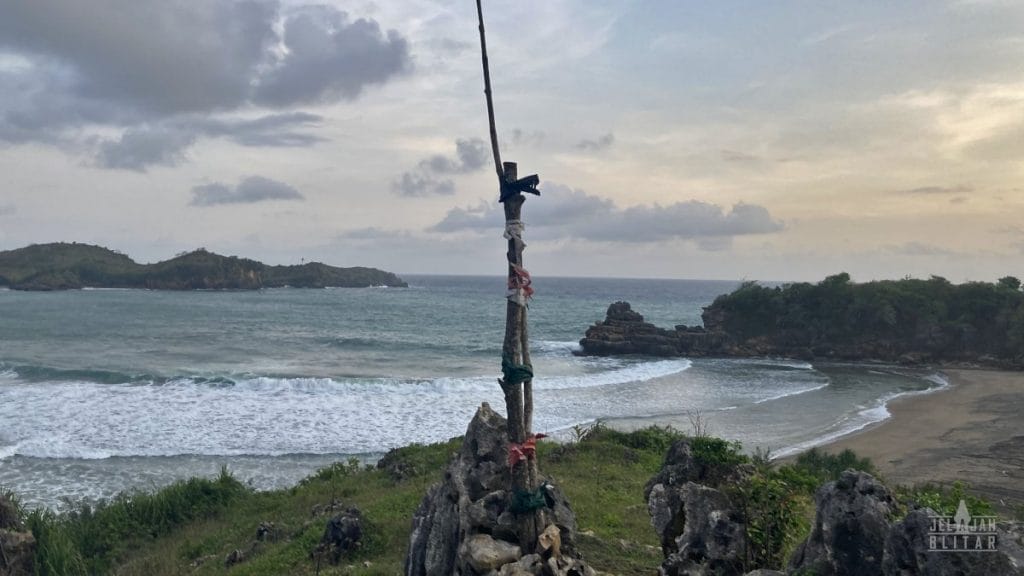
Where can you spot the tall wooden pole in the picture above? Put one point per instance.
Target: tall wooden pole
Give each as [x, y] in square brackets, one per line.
[515, 349]
[487, 92]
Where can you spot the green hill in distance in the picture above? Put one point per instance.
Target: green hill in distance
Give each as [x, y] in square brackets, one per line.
[64, 266]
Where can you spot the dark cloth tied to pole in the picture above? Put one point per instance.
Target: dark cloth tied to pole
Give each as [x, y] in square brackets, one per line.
[524, 501]
[515, 373]
[528, 184]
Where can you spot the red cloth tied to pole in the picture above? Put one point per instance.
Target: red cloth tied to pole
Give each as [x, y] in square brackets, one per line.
[520, 278]
[521, 452]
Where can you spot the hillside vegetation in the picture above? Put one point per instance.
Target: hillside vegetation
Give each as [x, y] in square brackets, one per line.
[892, 319]
[63, 266]
[191, 527]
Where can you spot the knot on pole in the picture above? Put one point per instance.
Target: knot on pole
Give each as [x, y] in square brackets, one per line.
[515, 373]
[524, 501]
[511, 188]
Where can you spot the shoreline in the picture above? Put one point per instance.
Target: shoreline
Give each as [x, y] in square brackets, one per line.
[968, 431]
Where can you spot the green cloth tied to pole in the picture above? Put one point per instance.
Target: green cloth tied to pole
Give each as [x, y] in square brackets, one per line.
[515, 373]
[525, 501]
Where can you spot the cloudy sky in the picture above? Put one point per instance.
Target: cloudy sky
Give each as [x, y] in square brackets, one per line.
[685, 139]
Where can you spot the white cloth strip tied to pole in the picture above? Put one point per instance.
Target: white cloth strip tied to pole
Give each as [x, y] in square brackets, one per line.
[514, 231]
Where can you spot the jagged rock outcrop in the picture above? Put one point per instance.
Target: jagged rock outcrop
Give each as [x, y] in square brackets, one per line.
[850, 528]
[907, 552]
[465, 527]
[624, 331]
[701, 530]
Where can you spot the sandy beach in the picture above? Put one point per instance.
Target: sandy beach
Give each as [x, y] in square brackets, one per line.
[971, 431]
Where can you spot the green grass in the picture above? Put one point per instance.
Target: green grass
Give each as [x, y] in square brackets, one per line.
[190, 527]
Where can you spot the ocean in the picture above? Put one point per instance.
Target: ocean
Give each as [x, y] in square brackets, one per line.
[104, 391]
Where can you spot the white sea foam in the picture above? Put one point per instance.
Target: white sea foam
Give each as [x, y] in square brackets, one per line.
[8, 451]
[278, 416]
[555, 347]
[865, 417]
[789, 393]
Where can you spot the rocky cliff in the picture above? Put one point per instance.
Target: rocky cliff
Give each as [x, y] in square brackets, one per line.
[624, 331]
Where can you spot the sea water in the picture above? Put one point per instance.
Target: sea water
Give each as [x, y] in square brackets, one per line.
[103, 391]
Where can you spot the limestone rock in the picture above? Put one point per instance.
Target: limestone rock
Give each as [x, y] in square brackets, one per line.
[907, 552]
[850, 528]
[465, 520]
[343, 533]
[625, 332]
[484, 553]
[701, 531]
[713, 537]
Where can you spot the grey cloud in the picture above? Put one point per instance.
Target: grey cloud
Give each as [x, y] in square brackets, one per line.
[330, 57]
[131, 64]
[473, 154]
[164, 144]
[139, 149]
[567, 213]
[272, 130]
[8, 209]
[470, 155]
[36, 104]
[417, 185]
[249, 191]
[166, 57]
[597, 144]
[938, 190]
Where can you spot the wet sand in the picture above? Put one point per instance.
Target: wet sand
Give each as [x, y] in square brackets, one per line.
[972, 431]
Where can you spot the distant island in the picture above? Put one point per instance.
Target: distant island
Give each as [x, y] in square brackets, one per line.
[69, 266]
[911, 321]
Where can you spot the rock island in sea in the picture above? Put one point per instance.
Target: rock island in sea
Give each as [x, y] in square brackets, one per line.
[63, 266]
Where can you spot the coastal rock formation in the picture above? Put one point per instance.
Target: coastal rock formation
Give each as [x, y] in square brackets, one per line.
[907, 552]
[464, 525]
[907, 321]
[850, 528]
[701, 531]
[624, 331]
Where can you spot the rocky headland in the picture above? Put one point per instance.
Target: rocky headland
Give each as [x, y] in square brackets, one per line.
[63, 266]
[906, 321]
